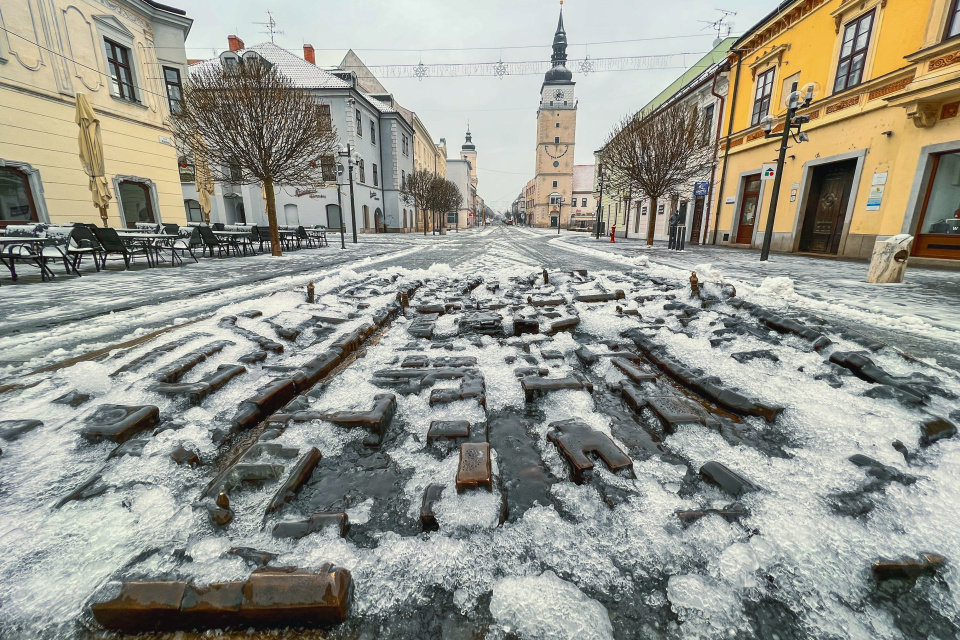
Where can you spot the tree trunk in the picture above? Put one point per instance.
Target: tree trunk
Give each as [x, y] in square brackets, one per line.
[275, 247]
[425, 220]
[652, 221]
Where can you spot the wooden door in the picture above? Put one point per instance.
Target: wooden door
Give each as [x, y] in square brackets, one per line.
[697, 221]
[827, 207]
[748, 209]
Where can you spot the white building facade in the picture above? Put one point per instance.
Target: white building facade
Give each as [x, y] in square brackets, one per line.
[370, 124]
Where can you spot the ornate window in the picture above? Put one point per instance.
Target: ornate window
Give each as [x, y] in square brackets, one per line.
[121, 77]
[362, 169]
[853, 53]
[136, 202]
[761, 100]
[16, 197]
[359, 124]
[171, 78]
[953, 20]
[376, 177]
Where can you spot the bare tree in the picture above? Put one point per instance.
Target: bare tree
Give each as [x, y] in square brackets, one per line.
[445, 197]
[257, 127]
[417, 191]
[657, 154]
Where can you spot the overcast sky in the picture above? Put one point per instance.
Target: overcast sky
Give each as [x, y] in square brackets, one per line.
[502, 113]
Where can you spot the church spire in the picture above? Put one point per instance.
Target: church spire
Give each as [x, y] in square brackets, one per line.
[558, 71]
[559, 57]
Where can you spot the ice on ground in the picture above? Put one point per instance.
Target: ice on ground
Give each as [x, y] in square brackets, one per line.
[545, 607]
[779, 287]
[707, 273]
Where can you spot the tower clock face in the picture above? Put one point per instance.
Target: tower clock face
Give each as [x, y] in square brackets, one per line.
[558, 94]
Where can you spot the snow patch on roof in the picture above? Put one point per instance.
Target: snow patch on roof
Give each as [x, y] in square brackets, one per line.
[303, 74]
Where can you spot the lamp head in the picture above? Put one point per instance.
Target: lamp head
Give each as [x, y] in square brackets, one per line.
[767, 123]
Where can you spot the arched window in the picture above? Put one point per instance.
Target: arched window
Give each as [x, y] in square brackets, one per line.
[291, 215]
[136, 203]
[194, 212]
[333, 216]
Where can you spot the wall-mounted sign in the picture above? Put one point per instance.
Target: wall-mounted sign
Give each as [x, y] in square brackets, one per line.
[875, 199]
[730, 200]
[165, 140]
[768, 171]
[701, 188]
[880, 178]
[305, 192]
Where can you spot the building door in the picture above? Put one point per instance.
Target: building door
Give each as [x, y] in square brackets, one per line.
[748, 209]
[938, 233]
[827, 207]
[697, 221]
[378, 221]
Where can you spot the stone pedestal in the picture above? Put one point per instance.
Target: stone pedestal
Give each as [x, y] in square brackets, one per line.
[889, 261]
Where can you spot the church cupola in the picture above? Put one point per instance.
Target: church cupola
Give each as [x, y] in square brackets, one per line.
[468, 145]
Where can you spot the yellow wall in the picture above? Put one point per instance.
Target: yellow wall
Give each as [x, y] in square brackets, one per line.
[873, 121]
[37, 103]
[547, 153]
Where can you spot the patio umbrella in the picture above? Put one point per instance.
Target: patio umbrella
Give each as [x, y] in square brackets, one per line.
[91, 155]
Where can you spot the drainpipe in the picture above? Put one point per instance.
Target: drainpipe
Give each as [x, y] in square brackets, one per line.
[716, 152]
[726, 152]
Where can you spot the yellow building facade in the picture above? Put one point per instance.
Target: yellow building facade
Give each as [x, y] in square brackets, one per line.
[128, 58]
[883, 156]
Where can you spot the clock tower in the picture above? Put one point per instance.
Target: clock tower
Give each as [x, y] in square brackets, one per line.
[556, 137]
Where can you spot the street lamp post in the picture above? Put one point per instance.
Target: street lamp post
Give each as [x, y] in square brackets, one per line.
[790, 124]
[600, 206]
[348, 152]
[343, 244]
[560, 214]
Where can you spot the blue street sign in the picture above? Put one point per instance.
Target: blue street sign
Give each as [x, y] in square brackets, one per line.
[701, 188]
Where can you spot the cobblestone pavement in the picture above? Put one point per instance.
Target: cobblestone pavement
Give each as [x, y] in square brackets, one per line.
[498, 434]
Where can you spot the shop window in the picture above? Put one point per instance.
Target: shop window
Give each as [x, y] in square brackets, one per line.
[16, 198]
[942, 210]
[452, 217]
[761, 101]
[121, 75]
[853, 53]
[135, 202]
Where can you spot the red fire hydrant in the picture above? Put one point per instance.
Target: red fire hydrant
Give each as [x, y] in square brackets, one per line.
[613, 233]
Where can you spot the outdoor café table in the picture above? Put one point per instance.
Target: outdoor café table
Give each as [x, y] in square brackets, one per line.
[27, 248]
[151, 241]
[237, 237]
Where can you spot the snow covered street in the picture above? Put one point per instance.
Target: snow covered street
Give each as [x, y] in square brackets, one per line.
[494, 434]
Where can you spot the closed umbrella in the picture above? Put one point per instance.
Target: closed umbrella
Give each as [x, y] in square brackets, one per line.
[91, 155]
[204, 184]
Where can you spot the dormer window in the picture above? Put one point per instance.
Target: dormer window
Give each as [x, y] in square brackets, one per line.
[230, 61]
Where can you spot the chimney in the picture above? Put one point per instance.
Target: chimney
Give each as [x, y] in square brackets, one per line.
[235, 43]
[308, 54]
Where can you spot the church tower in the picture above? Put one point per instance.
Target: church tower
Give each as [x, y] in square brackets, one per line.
[556, 137]
[468, 152]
